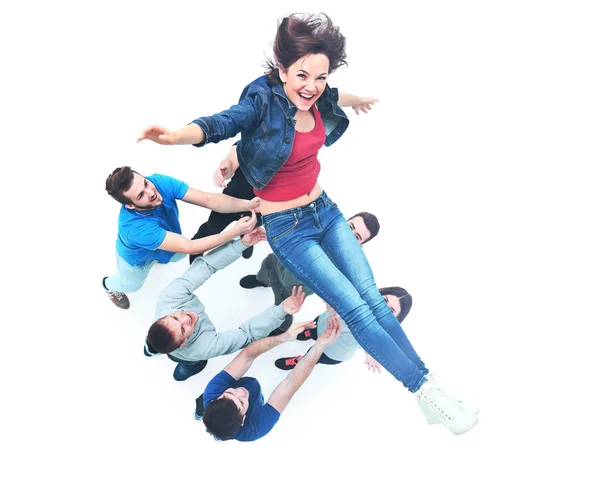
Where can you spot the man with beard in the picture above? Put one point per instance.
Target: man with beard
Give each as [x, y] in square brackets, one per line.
[149, 229]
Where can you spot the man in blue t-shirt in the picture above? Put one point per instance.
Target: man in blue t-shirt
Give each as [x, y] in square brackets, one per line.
[149, 229]
[233, 407]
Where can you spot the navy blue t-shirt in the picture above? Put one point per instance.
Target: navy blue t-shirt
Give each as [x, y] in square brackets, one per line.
[260, 417]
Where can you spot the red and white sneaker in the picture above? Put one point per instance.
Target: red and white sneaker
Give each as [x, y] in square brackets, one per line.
[304, 335]
[287, 363]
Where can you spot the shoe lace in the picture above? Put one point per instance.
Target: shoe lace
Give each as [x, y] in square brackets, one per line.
[448, 398]
[292, 360]
[454, 401]
[117, 294]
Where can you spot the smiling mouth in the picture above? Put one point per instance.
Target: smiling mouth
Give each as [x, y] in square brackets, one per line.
[306, 96]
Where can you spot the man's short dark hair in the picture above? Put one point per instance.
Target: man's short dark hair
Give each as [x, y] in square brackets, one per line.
[119, 182]
[222, 418]
[403, 296]
[371, 222]
[160, 338]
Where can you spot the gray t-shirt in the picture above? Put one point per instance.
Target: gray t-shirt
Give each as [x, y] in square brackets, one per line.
[205, 342]
[345, 346]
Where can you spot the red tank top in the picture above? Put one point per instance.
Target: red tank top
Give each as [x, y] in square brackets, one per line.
[299, 173]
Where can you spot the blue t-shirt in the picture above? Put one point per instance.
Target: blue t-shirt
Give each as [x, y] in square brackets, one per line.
[141, 232]
[260, 417]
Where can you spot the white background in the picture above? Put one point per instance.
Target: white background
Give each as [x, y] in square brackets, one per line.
[479, 162]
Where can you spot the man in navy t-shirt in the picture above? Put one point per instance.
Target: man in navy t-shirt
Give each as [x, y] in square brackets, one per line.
[149, 229]
[233, 407]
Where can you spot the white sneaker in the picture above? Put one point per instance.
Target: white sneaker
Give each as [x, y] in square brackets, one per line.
[431, 377]
[434, 418]
[439, 406]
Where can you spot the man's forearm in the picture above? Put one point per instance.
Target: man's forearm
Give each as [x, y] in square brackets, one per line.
[244, 360]
[226, 204]
[259, 326]
[303, 369]
[198, 246]
[261, 346]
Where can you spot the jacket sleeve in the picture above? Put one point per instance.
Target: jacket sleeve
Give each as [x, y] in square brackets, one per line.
[244, 116]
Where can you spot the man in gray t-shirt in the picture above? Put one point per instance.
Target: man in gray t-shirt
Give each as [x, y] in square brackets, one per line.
[184, 332]
[398, 301]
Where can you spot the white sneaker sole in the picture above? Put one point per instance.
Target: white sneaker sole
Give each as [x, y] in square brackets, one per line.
[433, 418]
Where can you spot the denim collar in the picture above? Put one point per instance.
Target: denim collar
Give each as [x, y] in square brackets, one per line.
[278, 90]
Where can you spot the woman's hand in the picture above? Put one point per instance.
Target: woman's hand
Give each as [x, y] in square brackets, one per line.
[364, 105]
[158, 134]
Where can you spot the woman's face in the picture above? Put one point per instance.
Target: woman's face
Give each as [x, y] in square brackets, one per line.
[305, 80]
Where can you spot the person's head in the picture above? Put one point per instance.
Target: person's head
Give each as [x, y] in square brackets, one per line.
[132, 189]
[224, 416]
[171, 331]
[365, 226]
[306, 50]
[398, 300]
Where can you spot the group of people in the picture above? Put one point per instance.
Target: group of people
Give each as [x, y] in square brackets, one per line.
[284, 118]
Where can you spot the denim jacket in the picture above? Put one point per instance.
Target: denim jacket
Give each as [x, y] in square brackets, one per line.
[265, 118]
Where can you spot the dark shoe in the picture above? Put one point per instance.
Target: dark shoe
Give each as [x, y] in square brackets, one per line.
[250, 281]
[194, 256]
[306, 335]
[247, 254]
[118, 298]
[287, 363]
[276, 332]
[185, 371]
[287, 322]
[199, 408]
